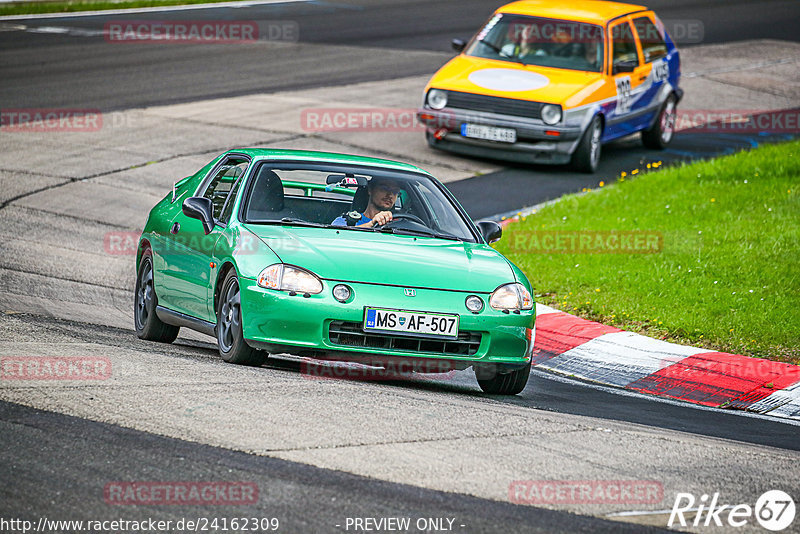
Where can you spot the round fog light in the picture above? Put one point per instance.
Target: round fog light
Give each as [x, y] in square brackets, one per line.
[341, 292]
[474, 304]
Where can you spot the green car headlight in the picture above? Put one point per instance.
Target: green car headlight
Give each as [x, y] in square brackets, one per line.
[511, 297]
[289, 278]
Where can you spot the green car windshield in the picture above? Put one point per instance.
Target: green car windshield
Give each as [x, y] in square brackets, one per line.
[540, 41]
[323, 196]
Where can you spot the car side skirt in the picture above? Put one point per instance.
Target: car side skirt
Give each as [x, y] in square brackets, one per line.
[181, 319]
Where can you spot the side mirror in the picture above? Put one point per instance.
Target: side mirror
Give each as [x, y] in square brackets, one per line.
[623, 66]
[202, 209]
[458, 45]
[490, 230]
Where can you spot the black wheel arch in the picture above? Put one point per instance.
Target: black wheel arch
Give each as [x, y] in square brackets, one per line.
[223, 271]
[144, 245]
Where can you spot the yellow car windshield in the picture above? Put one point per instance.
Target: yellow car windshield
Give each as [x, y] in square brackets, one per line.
[540, 41]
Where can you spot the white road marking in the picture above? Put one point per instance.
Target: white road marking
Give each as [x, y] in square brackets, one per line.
[634, 513]
[550, 375]
[243, 3]
[619, 358]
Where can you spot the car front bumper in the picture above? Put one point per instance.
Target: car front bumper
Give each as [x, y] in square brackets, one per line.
[314, 326]
[536, 142]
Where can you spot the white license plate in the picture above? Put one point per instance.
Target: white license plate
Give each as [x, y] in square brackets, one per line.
[490, 133]
[411, 322]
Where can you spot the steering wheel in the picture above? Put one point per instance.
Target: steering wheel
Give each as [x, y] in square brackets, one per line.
[406, 216]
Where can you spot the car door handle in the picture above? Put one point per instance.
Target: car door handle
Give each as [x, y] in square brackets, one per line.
[642, 77]
[176, 227]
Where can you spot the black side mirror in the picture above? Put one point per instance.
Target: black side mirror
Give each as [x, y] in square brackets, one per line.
[624, 66]
[458, 45]
[202, 209]
[490, 230]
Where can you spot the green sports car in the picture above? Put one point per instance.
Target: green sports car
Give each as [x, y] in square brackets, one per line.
[334, 257]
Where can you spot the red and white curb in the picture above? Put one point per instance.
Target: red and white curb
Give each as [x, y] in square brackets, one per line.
[591, 351]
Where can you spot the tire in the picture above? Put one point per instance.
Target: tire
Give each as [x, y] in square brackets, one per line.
[230, 339]
[496, 383]
[587, 156]
[148, 326]
[659, 135]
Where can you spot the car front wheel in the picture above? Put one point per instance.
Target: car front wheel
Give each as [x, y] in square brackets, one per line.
[587, 156]
[232, 346]
[496, 383]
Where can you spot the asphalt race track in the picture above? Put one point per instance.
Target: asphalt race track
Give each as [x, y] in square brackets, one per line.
[304, 498]
[65, 62]
[385, 40]
[319, 451]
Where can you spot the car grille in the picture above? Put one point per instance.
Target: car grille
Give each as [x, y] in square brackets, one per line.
[494, 104]
[351, 334]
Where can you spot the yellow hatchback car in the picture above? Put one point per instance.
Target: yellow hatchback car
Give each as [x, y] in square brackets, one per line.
[549, 82]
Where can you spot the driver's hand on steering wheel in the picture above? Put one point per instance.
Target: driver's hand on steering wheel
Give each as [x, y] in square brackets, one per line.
[383, 217]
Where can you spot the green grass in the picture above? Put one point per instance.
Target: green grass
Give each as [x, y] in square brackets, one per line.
[728, 274]
[33, 8]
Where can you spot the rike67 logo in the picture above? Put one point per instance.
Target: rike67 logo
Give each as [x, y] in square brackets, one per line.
[774, 510]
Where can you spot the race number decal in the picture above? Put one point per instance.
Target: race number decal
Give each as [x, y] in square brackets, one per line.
[660, 71]
[623, 94]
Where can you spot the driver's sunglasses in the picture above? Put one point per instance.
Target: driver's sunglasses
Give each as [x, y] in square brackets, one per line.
[391, 190]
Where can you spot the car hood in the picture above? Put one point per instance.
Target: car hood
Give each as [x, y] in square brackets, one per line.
[379, 258]
[513, 80]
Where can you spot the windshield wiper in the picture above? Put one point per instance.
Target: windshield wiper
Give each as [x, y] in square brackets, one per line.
[300, 222]
[292, 221]
[448, 236]
[500, 52]
[427, 233]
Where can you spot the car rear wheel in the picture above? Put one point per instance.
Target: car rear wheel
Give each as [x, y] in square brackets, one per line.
[587, 156]
[496, 383]
[659, 135]
[148, 325]
[232, 346]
